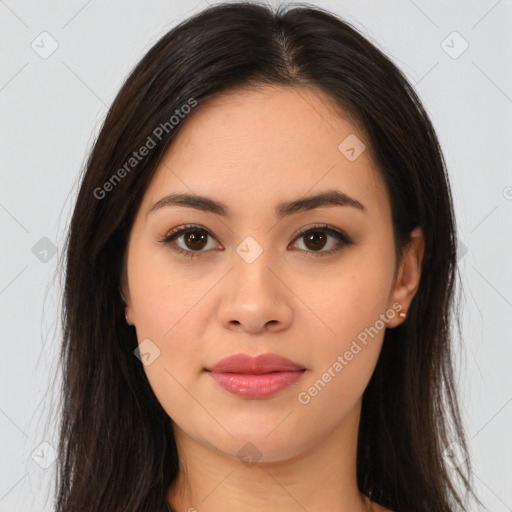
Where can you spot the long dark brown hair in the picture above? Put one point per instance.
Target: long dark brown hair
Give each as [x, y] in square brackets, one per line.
[116, 448]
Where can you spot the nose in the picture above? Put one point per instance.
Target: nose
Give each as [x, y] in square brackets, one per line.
[255, 297]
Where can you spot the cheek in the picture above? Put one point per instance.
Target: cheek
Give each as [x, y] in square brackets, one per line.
[346, 354]
[169, 313]
[167, 310]
[348, 339]
[352, 299]
[166, 297]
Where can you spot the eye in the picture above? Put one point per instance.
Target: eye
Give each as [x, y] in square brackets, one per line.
[316, 237]
[195, 239]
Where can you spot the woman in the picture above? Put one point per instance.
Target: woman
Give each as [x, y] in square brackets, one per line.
[259, 282]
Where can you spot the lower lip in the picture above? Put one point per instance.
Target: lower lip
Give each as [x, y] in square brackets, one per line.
[256, 386]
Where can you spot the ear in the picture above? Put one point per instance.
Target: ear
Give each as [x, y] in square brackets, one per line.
[408, 276]
[124, 292]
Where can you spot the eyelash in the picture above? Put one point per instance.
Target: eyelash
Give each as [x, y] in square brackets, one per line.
[340, 235]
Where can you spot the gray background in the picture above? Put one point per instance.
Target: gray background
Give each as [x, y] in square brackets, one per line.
[52, 107]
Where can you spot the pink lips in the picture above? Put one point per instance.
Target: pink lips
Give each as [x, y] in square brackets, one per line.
[255, 377]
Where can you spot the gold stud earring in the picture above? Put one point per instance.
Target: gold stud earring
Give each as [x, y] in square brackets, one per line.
[402, 314]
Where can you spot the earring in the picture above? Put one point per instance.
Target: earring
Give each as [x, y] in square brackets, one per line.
[402, 314]
[126, 318]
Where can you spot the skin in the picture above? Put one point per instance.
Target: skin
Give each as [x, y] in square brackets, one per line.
[252, 149]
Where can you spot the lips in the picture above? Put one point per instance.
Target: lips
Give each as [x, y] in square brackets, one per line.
[255, 377]
[264, 363]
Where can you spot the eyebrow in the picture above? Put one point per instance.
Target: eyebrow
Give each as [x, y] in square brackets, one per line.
[284, 209]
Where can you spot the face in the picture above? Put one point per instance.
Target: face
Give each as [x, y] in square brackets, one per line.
[314, 283]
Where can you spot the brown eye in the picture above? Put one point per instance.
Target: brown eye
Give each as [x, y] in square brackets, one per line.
[193, 240]
[317, 237]
[315, 240]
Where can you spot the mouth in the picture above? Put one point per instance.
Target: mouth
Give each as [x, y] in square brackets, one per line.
[256, 377]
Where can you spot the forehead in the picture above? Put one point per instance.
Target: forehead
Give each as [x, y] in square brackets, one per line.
[269, 144]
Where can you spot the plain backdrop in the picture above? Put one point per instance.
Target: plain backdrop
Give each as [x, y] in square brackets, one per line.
[61, 65]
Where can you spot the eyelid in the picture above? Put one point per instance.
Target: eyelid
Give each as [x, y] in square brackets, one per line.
[178, 230]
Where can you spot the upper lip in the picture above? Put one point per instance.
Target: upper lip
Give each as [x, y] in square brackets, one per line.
[264, 363]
